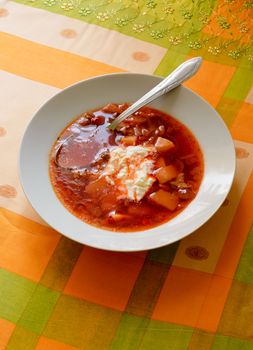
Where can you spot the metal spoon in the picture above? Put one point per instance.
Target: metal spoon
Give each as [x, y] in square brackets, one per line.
[185, 71]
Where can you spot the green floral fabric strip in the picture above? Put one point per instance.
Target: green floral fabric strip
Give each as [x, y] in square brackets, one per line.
[219, 28]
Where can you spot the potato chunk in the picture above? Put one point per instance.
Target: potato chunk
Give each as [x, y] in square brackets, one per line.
[96, 187]
[118, 217]
[163, 145]
[129, 140]
[165, 199]
[166, 173]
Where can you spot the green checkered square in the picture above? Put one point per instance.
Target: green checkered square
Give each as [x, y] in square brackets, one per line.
[240, 84]
[82, 324]
[222, 342]
[244, 271]
[39, 309]
[15, 292]
[237, 318]
[143, 334]
[22, 339]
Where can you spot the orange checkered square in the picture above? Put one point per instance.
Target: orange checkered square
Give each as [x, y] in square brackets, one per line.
[211, 81]
[25, 251]
[103, 277]
[6, 329]
[182, 296]
[242, 128]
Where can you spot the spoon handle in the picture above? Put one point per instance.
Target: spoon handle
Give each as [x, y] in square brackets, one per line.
[185, 71]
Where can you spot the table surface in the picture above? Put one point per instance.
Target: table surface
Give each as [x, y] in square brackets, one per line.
[196, 294]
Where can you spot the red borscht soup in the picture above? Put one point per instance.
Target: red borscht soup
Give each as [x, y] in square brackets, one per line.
[133, 178]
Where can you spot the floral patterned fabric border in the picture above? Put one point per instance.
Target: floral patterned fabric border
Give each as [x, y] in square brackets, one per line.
[216, 27]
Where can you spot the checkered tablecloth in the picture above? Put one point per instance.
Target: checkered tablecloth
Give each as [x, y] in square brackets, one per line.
[196, 294]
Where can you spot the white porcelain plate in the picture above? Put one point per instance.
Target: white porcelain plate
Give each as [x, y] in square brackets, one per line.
[182, 103]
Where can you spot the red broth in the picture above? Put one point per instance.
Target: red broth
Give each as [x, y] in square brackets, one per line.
[81, 154]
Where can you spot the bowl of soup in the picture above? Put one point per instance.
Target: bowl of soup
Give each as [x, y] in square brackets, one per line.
[156, 178]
